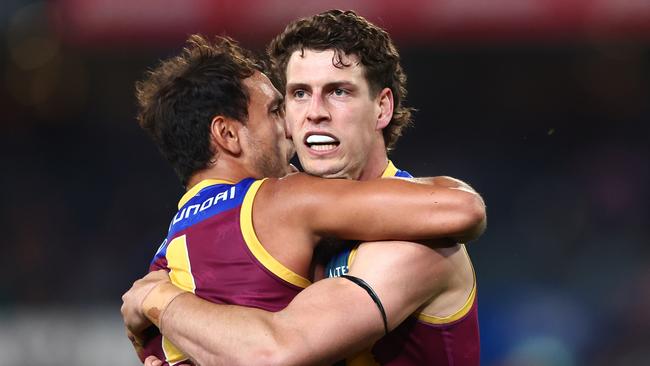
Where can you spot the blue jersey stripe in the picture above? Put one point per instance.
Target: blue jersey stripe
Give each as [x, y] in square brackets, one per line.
[209, 201]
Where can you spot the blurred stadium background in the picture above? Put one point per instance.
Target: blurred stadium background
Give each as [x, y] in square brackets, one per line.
[542, 105]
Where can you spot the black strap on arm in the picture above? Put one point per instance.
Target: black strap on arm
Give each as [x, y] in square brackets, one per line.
[363, 284]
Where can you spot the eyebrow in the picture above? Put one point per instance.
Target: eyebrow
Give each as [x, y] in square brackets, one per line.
[329, 85]
[297, 86]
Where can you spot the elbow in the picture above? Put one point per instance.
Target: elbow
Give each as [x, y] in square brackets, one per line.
[278, 346]
[279, 349]
[271, 357]
[267, 357]
[258, 356]
[474, 219]
[265, 354]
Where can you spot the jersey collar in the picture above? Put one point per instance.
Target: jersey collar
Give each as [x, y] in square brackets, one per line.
[202, 184]
[390, 170]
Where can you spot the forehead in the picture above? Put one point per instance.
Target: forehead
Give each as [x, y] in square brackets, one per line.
[316, 67]
[260, 88]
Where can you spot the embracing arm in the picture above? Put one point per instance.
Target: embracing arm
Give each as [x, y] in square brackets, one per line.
[327, 321]
[309, 331]
[381, 209]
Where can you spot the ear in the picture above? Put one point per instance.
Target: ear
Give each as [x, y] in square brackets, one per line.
[225, 135]
[385, 104]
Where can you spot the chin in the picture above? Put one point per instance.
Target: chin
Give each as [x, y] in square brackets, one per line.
[325, 171]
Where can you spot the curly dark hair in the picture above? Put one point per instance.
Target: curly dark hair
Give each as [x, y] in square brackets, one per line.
[350, 34]
[179, 98]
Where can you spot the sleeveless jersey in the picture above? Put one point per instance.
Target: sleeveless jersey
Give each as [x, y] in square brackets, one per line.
[212, 250]
[421, 339]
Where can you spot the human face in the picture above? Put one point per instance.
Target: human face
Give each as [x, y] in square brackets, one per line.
[332, 116]
[265, 142]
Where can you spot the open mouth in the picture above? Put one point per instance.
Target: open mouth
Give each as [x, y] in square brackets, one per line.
[321, 142]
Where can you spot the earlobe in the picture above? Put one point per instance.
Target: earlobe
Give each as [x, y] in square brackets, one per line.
[385, 100]
[224, 133]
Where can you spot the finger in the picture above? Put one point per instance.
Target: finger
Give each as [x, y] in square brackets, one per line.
[160, 274]
[152, 361]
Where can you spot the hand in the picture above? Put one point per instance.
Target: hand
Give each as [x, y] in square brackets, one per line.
[153, 361]
[134, 319]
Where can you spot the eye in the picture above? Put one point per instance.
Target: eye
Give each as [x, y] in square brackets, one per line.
[340, 92]
[299, 94]
[278, 110]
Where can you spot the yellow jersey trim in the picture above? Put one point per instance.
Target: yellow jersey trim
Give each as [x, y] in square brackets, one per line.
[202, 184]
[458, 314]
[254, 245]
[390, 170]
[353, 254]
[364, 358]
[180, 274]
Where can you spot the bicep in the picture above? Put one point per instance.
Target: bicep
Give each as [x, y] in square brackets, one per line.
[404, 275]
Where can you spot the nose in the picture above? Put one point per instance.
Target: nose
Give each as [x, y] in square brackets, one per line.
[317, 112]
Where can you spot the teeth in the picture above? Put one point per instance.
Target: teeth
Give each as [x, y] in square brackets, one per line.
[323, 147]
[319, 139]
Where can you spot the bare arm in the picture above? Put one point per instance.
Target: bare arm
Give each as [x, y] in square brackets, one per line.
[327, 321]
[382, 209]
[439, 207]
[214, 334]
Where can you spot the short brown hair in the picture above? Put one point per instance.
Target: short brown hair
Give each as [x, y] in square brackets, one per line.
[349, 33]
[179, 98]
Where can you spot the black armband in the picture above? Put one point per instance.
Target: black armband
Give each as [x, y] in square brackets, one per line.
[364, 285]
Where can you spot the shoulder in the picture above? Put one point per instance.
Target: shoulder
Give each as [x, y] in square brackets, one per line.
[280, 198]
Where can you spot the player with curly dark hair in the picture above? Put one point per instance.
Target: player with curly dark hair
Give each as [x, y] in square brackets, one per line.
[347, 33]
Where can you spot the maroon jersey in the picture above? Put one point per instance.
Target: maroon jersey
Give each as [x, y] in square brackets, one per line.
[421, 339]
[212, 250]
[427, 340]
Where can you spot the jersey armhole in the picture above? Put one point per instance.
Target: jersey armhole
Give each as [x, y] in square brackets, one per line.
[464, 310]
[255, 246]
[353, 254]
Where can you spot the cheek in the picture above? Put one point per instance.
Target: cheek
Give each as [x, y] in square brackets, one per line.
[292, 127]
[291, 117]
[294, 108]
[359, 134]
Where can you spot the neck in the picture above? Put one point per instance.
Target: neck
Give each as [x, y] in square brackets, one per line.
[224, 169]
[376, 163]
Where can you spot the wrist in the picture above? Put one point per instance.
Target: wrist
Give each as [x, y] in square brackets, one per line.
[157, 301]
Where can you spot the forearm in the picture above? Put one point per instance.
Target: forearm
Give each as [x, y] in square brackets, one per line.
[478, 221]
[475, 219]
[212, 334]
[325, 322]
